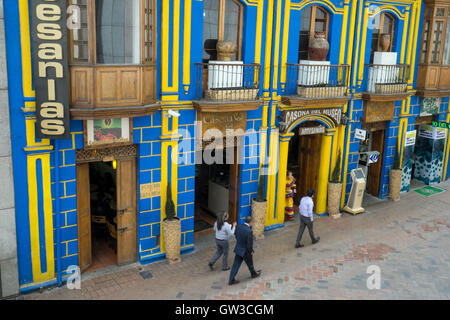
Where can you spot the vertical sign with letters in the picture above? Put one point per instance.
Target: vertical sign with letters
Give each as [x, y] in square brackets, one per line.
[51, 71]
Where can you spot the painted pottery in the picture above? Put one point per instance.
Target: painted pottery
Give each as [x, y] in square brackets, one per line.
[385, 42]
[318, 47]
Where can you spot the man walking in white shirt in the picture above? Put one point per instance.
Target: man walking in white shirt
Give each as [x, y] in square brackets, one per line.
[306, 218]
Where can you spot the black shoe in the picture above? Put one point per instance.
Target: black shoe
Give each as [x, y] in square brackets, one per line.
[233, 282]
[299, 245]
[210, 266]
[257, 274]
[315, 241]
[226, 269]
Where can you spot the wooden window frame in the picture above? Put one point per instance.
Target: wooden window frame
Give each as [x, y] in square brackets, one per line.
[92, 39]
[432, 21]
[312, 23]
[221, 24]
[381, 30]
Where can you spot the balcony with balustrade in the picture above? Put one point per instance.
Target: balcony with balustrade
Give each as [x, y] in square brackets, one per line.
[226, 86]
[315, 83]
[386, 82]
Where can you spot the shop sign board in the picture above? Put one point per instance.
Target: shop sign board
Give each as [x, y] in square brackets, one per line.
[223, 121]
[290, 116]
[438, 124]
[303, 131]
[431, 132]
[360, 134]
[51, 71]
[410, 138]
[150, 190]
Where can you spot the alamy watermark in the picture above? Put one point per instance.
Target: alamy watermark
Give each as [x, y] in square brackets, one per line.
[374, 280]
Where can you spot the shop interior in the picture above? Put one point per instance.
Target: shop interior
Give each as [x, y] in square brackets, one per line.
[103, 195]
[212, 185]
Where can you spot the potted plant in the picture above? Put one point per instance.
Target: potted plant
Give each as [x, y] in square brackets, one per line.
[172, 230]
[335, 190]
[259, 209]
[395, 178]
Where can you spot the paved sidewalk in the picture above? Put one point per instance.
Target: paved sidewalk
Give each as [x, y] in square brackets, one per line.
[408, 240]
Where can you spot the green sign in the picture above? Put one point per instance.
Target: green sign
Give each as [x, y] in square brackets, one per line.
[429, 191]
[438, 124]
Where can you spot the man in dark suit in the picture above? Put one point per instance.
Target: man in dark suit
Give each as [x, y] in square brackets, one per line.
[243, 250]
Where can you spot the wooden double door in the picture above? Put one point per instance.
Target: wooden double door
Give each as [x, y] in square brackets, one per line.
[309, 147]
[126, 213]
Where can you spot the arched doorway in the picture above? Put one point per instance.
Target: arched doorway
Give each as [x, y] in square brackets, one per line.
[316, 153]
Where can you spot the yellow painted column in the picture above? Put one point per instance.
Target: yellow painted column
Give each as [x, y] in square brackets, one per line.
[282, 168]
[324, 170]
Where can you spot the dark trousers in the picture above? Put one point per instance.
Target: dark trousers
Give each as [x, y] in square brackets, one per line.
[248, 258]
[222, 248]
[305, 222]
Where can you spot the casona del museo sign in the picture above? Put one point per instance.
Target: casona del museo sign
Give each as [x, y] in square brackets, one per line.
[50, 60]
[290, 116]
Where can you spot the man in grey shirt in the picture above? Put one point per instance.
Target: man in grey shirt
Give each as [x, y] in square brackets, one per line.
[306, 218]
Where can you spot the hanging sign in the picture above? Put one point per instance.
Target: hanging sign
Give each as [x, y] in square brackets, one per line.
[360, 134]
[410, 138]
[373, 156]
[51, 72]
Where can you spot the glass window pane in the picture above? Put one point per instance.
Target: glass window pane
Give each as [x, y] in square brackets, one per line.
[80, 36]
[319, 26]
[118, 36]
[440, 12]
[320, 14]
[446, 59]
[303, 45]
[210, 29]
[437, 38]
[388, 24]
[305, 20]
[425, 42]
[231, 29]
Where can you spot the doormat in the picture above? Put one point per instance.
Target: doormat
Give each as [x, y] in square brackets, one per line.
[429, 191]
[200, 225]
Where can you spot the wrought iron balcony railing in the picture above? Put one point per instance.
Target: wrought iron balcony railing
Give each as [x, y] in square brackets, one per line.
[386, 79]
[227, 81]
[316, 80]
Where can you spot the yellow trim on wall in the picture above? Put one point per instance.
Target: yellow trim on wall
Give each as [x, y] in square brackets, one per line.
[187, 45]
[325, 3]
[258, 37]
[277, 47]
[269, 31]
[25, 37]
[287, 16]
[38, 275]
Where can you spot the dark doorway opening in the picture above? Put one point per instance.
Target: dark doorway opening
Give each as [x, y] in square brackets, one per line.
[217, 190]
[103, 201]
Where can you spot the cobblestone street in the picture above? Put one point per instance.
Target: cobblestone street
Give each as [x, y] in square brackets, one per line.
[409, 240]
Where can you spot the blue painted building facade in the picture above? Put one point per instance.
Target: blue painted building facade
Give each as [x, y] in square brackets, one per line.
[45, 171]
